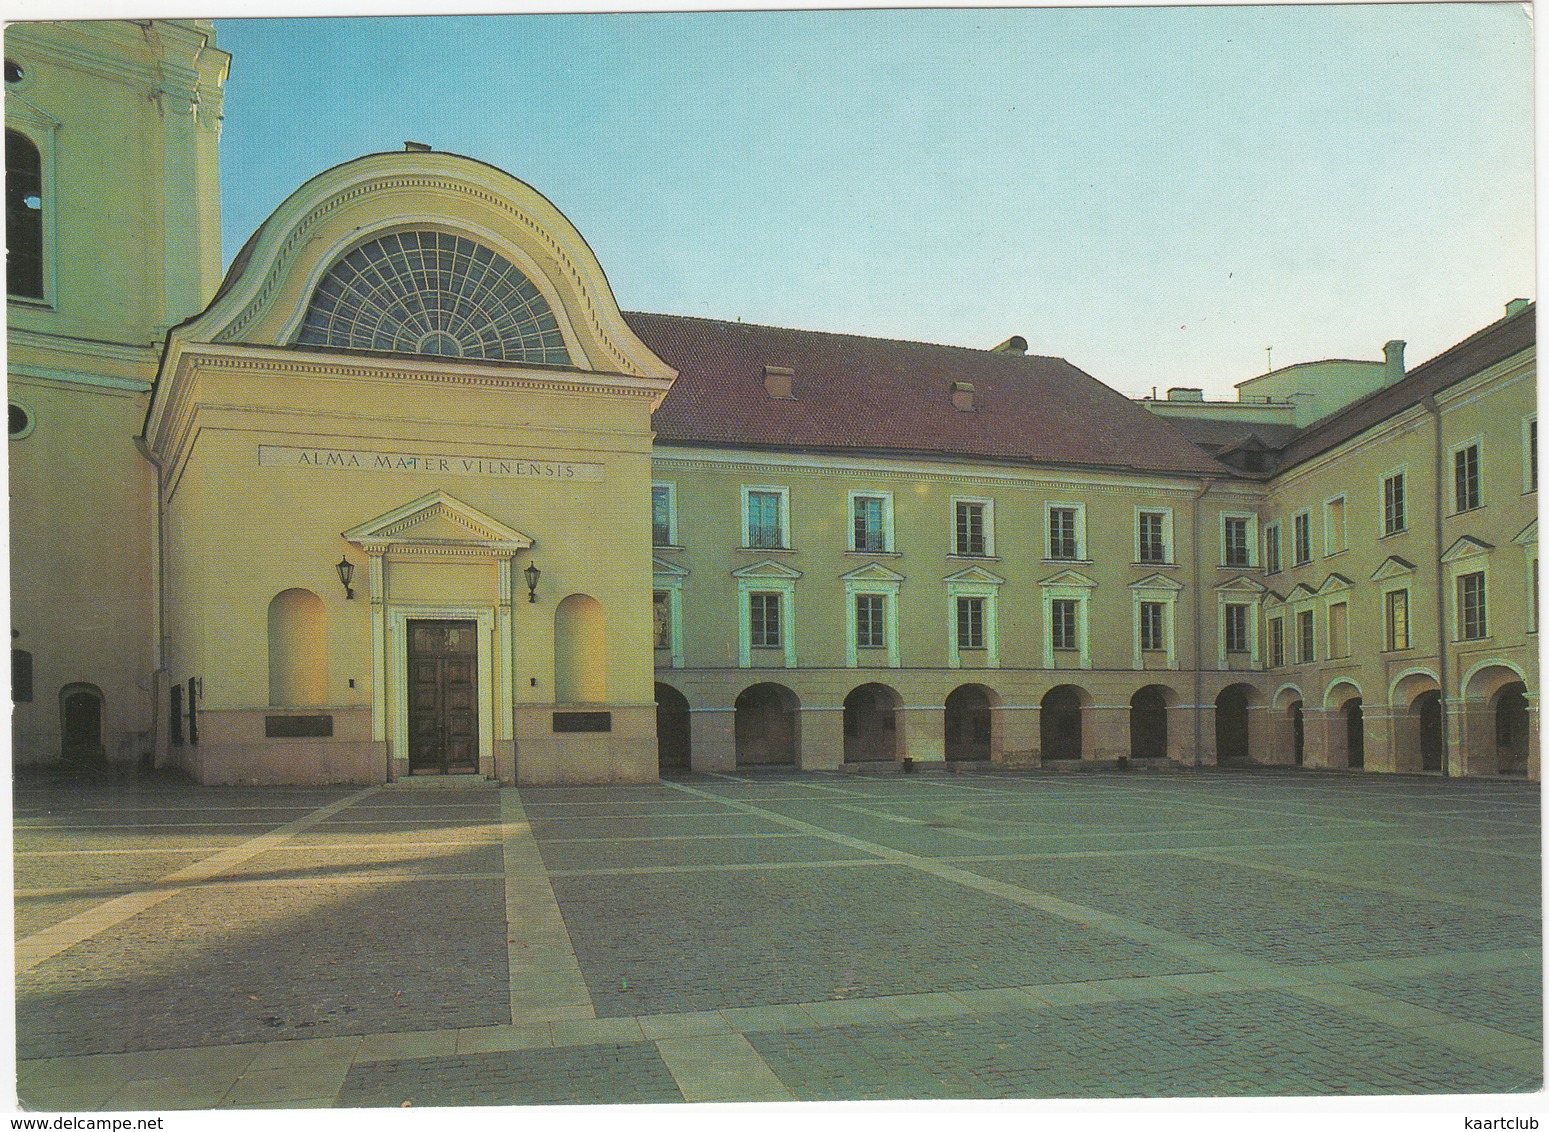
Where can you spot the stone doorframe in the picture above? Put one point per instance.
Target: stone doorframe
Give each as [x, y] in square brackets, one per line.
[439, 528]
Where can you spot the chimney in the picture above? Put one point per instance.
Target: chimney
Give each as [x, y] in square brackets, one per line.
[415, 147]
[1517, 306]
[779, 383]
[1182, 393]
[1392, 362]
[1016, 344]
[963, 396]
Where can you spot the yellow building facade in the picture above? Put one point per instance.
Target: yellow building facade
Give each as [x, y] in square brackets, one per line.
[406, 494]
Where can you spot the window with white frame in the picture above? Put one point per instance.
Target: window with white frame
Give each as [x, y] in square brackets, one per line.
[1153, 626]
[970, 622]
[1338, 629]
[1065, 531]
[1473, 621]
[1276, 630]
[764, 620]
[1334, 525]
[1065, 624]
[1395, 518]
[971, 613]
[661, 616]
[972, 531]
[1306, 645]
[1236, 626]
[1396, 617]
[870, 621]
[871, 522]
[663, 520]
[1301, 538]
[1530, 453]
[1237, 537]
[1465, 477]
[765, 518]
[1153, 536]
[1272, 548]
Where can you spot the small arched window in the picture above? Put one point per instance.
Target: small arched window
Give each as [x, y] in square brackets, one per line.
[23, 216]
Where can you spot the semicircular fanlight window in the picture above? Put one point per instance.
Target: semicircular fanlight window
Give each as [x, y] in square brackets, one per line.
[432, 293]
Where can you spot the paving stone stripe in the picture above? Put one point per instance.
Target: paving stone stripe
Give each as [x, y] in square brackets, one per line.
[45, 944]
[546, 980]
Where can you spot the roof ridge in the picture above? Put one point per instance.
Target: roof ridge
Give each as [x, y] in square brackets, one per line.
[844, 334]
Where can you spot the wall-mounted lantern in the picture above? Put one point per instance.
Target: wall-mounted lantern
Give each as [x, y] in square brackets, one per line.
[346, 570]
[532, 574]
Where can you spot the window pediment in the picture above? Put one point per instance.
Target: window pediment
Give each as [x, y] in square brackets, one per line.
[1068, 578]
[1157, 582]
[768, 568]
[661, 568]
[1393, 567]
[1333, 583]
[1466, 547]
[974, 575]
[871, 572]
[1528, 535]
[437, 521]
[1241, 584]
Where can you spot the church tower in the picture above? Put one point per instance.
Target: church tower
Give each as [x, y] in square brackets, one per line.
[112, 238]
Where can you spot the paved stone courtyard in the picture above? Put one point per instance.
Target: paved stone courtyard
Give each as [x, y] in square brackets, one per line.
[779, 937]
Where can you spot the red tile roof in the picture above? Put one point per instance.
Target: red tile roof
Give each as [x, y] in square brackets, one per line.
[1495, 343]
[880, 395]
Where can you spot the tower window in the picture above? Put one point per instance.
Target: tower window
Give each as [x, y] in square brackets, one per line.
[14, 72]
[23, 216]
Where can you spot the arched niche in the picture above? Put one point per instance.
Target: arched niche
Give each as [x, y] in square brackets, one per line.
[580, 651]
[298, 650]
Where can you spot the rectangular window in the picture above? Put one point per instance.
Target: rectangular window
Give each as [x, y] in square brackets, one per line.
[765, 526]
[1237, 628]
[1272, 548]
[1465, 478]
[1397, 602]
[1234, 541]
[1339, 629]
[1393, 518]
[1153, 536]
[1306, 646]
[1276, 627]
[764, 620]
[1062, 533]
[970, 541]
[1334, 526]
[1532, 453]
[870, 621]
[870, 529]
[1153, 626]
[970, 622]
[175, 714]
[1472, 621]
[21, 676]
[1062, 628]
[661, 515]
[1301, 538]
[661, 612]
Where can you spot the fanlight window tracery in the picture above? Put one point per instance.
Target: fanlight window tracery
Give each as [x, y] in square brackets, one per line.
[433, 293]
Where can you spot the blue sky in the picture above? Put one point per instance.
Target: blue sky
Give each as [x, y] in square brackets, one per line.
[1156, 194]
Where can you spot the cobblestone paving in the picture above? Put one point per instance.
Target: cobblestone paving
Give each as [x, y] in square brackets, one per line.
[1510, 1000]
[700, 941]
[772, 936]
[1221, 1045]
[629, 1073]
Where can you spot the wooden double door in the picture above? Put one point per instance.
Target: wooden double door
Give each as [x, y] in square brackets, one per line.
[443, 697]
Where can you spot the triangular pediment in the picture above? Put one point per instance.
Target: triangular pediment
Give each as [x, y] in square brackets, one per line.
[1393, 567]
[1069, 578]
[871, 572]
[437, 520]
[1240, 584]
[1271, 597]
[1528, 535]
[976, 575]
[1334, 582]
[662, 568]
[1302, 592]
[768, 568]
[1466, 547]
[1157, 582]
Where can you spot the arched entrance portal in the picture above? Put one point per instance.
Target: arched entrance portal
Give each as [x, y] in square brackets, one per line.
[766, 726]
[80, 723]
[1511, 729]
[968, 724]
[1298, 731]
[871, 724]
[1059, 723]
[1148, 723]
[672, 729]
[1232, 725]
